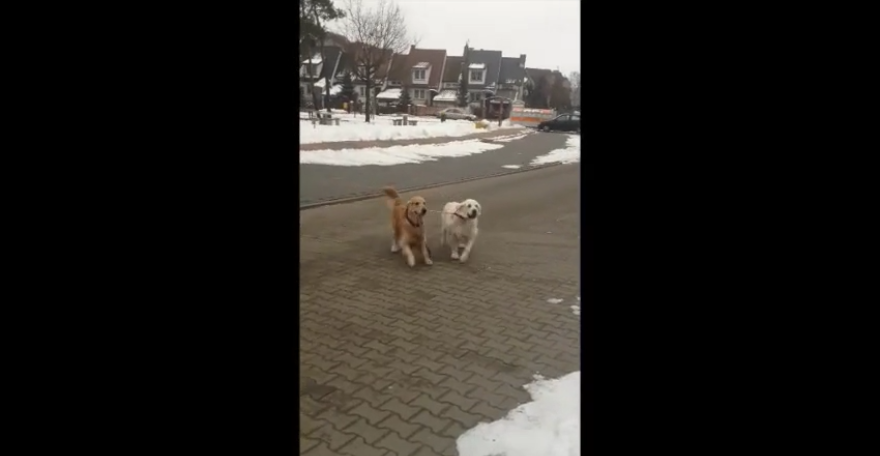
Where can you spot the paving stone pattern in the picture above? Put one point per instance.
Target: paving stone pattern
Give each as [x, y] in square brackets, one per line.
[400, 361]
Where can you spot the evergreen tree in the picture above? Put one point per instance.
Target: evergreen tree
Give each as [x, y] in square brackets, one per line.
[347, 87]
[559, 93]
[463, 84]
[405, 100]
[539, 95]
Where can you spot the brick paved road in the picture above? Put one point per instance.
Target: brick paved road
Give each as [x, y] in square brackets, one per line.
[400, 361]
[323, 182]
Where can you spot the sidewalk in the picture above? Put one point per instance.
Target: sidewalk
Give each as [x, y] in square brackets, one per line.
[403, 361]
[406, 142]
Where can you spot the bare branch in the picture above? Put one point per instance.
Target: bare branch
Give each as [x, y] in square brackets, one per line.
[375, 35]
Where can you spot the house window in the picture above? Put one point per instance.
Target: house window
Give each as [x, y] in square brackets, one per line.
[419, 94]
[475, 96]
[476, 76]
[419, 75]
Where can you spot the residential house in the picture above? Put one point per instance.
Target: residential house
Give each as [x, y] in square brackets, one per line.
[448, 96]
[316, 72]
[484, 67]
[512, 78]
[380, 78]
[421, 72]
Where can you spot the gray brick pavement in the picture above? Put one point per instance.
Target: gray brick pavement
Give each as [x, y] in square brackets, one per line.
[400, 361]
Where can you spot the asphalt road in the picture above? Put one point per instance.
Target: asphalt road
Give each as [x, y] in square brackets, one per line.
[397, 360]
[337, 145]
[323, 182]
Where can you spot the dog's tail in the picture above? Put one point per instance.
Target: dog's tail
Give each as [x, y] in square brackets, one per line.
[393, 197]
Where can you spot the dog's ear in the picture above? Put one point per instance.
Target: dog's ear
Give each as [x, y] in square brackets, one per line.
[462, 210]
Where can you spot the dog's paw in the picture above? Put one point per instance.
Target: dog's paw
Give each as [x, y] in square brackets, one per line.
[428, 261]
[411, 261]
[454, 254]
[463, 258]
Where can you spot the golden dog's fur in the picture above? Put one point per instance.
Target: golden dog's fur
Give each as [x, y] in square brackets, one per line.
[408, 226]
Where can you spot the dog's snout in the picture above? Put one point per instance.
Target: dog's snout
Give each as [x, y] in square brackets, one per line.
[424, 211]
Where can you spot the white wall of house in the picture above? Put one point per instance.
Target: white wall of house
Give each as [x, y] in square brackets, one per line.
[316, 71]
[419, 96]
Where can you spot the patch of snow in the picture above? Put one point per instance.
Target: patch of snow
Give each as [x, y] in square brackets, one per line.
[394, 155]
[570, 154]
[511, 138]
[447, 95]
[389, 94]
[381, 130]
[504, 124]
[554, 300]
[576, 309]
[512, 166]
[547, 426]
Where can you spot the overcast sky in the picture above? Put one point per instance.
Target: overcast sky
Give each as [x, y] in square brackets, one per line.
[548, 31]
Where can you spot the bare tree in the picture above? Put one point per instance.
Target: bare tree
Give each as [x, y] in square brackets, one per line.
[375, 34]
[575, 78]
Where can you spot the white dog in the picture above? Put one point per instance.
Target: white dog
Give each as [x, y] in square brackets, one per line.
[459, 227]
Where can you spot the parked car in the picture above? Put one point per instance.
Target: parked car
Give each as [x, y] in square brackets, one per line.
[456, 114]
[564, 122]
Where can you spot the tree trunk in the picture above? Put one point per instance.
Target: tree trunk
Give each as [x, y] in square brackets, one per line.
[323, 58]
[367, 105]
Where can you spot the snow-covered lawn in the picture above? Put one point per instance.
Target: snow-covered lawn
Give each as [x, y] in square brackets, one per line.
[380, 128]
[394, 155]
[570, 154]
[547, 426]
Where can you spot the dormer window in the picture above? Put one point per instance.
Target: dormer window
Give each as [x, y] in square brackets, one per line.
[420, 73]
[477, 73]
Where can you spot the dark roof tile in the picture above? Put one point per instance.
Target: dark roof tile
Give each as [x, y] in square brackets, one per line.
[492, 59]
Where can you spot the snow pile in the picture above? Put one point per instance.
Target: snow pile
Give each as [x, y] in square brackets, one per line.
[547, 426]
[394, 155]
[570, 154]
[493, 124]
[381, 130]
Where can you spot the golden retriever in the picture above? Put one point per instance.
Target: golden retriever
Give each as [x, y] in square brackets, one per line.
[407, 222]
[458, 227]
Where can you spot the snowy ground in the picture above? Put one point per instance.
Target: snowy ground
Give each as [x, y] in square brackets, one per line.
[394, 155]
[570, 154]
[511, 138]
[353, 128]
[547, 426]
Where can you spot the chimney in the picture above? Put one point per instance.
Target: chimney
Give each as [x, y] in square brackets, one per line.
[522, 60]
[412, 48]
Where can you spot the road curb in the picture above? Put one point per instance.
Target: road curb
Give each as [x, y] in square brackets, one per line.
[379, 193]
